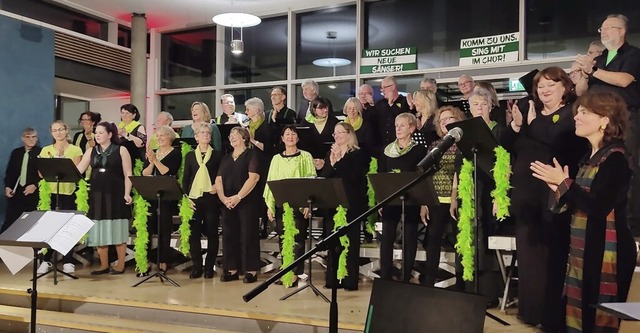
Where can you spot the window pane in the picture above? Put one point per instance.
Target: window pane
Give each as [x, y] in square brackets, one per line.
[336, 92]
[179, 105]
[265, 53]
[189, 58]
[436, 27]
[241, 95]
[562, 28]
[57, 15]
[313, 29]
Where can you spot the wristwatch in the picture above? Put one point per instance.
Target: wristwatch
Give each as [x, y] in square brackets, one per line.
[593, 70]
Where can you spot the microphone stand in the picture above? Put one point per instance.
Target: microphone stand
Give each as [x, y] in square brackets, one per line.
[326, 244]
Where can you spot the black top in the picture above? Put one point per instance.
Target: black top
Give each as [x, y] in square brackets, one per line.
[427, 134]
[173, 160]
[407, 162]
[320, 141]
[191, 167]
[547, 137]
[627, 60]
[135, 151]
[284, 116]
[464, 106]
[80, 140]
[15, 166]
[352, 168]
[386, 117]
[235, 173]
[366, 140]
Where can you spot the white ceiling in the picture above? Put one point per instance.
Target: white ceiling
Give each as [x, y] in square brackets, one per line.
[182, 13]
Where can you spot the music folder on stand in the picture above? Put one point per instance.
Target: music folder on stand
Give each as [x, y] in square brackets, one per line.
[157, 188]
[322, 193]
[423, 193]
[58, 170]
[41, 230]
[478, 145]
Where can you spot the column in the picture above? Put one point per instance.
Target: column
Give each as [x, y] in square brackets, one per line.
[139, 62]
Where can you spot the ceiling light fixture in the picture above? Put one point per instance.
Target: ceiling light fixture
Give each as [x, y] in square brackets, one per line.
[332, 61]
[235, 21]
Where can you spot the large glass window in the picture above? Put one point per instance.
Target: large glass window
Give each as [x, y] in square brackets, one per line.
[436, 27]
[265, 53]
[58, 16]
[179, 105]
[565, 28]
[336, 92]
[189, 58]
[329, 33]
[241, 95]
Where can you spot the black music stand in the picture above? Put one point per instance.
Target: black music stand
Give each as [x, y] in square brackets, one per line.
[59, 170]
[477, 144]
[190, 141]
[312, 193]
[158, 188]
[225, 130]
[385, 184]
[11, 237]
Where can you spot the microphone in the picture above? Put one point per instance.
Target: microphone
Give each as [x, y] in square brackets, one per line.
[436, 153]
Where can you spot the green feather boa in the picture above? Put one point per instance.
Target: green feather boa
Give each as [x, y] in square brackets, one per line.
[44, 202]
[185, 211]
[464, 244]
[288, 242]
[371, 195]
[501, 174]
[339, 220]
[140, 216]
[82, 203]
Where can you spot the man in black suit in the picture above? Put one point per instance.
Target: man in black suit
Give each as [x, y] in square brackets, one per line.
[310, 91]
[21, 178]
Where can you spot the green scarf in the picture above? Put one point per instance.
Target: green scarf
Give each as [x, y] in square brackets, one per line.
[254, 125]
[100, 160]
[393, 150]
[201, 182]
[129, 128]
[356, 124]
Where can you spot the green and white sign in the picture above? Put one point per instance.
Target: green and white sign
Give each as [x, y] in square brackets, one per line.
[489, 49]
[515, 85]
[390, 60]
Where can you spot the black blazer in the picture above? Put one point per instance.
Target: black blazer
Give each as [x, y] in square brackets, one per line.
[15, 165]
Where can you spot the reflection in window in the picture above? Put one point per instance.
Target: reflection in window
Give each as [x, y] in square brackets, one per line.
[57, 15]
[188, 58]
[560, 28]
[436, 27]
[336, 92]
[316, 31]
[241, 95]
[179, 105]
[265, 53]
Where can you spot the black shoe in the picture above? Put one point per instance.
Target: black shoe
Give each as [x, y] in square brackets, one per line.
[226, 277]
[102, 271]
[209, 273]
[115, 272]
[143, 274]
[250, 278]
[196, 273]
[294, 284]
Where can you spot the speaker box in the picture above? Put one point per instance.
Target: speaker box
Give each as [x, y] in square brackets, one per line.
[402, 307]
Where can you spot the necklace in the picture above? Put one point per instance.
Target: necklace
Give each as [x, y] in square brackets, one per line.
[235, 155]
[160, 154]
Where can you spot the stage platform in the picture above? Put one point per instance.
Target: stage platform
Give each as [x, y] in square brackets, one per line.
[108, 303]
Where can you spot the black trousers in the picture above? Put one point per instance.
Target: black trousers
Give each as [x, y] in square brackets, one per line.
[353, 256]
[241, 238]
[302, 225]
[390, 221]
[206, 220]
[439, 218]
[17, 205]
[166, 227]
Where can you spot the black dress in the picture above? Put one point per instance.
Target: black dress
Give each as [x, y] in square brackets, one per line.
[241, 238]
[542, 238]
[206, 217]
[352, 168]
[391, 215]
[173, 160]
[366, 137]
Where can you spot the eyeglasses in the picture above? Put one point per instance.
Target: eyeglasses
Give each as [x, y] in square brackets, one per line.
[387, 86]
[445, 119]
[601, 29]
[85, 119]
[62, 129]
[338, 132]
[463, 83]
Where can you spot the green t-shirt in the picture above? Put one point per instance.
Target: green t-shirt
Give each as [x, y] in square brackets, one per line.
[71, 152]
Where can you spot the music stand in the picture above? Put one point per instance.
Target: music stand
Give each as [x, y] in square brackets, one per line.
[312, 193]
[158, 188]
[59, 170]
[225, 130]
[477, 144]
[385, 184]
[190, 141]
[15, 236]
